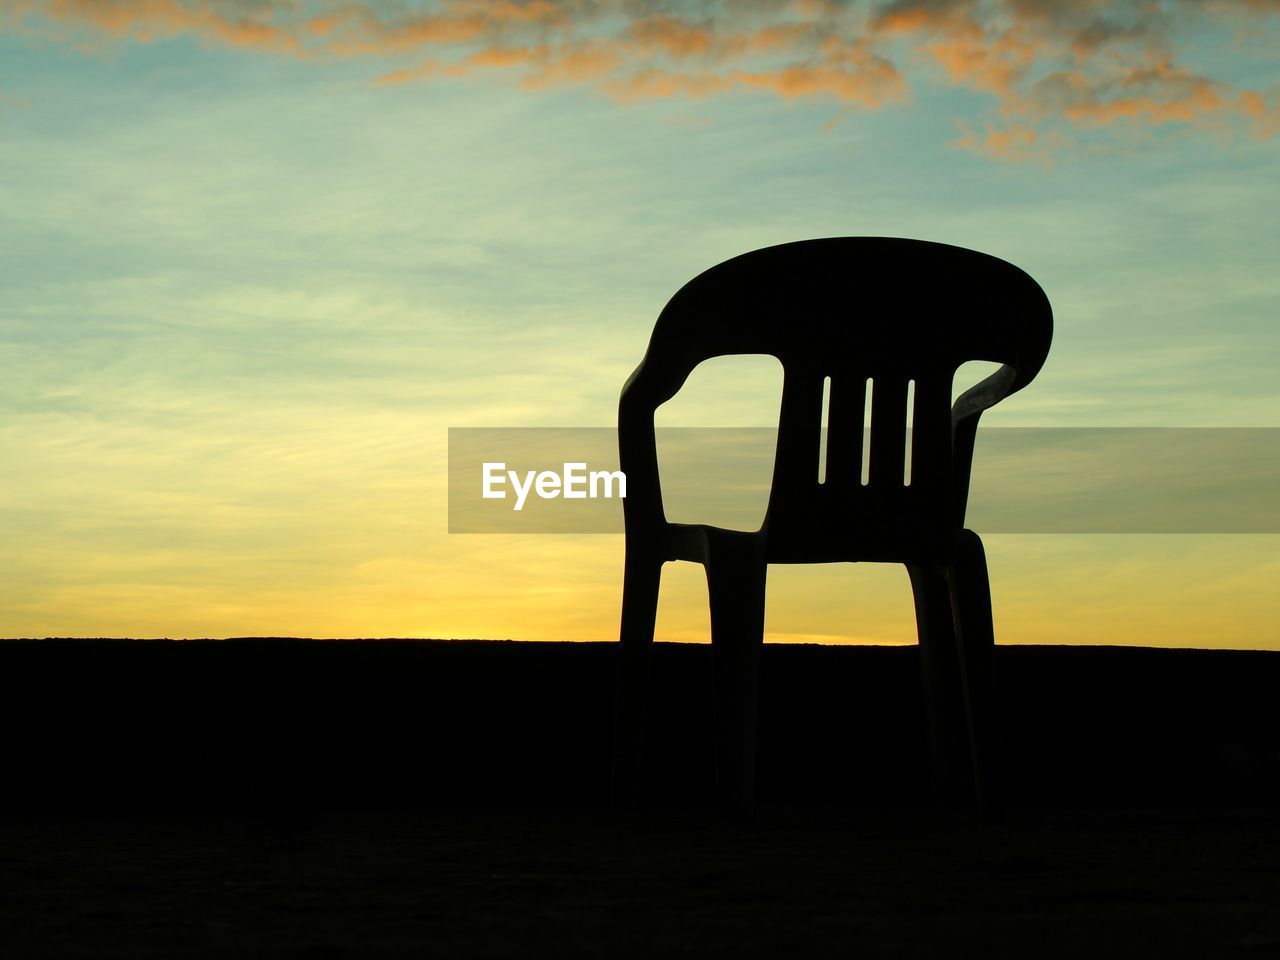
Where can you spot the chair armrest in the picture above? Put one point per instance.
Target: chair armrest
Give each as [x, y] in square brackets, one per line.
[965, 414]
[638, 455]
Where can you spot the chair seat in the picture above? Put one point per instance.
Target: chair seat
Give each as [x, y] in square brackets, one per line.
[695, 542]
[852, 541]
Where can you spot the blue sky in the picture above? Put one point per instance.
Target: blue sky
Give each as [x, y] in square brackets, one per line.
[247, 289]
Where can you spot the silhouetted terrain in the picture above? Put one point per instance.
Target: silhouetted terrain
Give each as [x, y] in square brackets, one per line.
[97, 725]
[424, 798]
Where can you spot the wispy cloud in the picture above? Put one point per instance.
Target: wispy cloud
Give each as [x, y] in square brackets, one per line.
[1054, 74]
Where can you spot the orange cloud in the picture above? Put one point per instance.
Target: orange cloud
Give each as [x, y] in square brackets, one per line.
[1059, 68]
[147, 21]
[1051, 71]
[659, 84]
[586, 63]
[672, 36]
[1014, 143]
[503, 56]
[874, 86]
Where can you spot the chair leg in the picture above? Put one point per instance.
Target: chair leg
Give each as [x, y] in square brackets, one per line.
[971, 605]
[945, 719]
[639, 611]
[736, 588]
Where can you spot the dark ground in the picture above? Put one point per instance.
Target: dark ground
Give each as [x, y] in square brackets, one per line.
[374, 799]
[797, 884]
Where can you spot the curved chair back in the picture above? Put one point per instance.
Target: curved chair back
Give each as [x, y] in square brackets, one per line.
[855, 319]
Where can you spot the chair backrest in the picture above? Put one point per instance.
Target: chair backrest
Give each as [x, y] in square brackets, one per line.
[852, 318]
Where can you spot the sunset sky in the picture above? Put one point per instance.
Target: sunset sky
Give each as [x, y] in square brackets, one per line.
[257, 256]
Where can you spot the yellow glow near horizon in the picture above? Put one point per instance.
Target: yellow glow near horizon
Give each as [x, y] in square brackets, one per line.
[1165, 591]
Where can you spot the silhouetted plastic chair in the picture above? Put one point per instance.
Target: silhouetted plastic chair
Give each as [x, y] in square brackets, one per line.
[874, 315]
